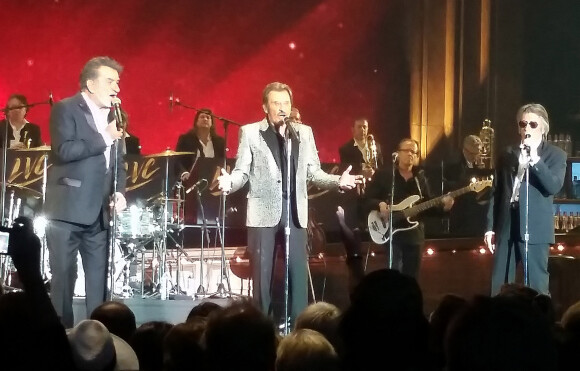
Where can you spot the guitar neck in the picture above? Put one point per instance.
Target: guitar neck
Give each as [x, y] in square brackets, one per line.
[413, 211]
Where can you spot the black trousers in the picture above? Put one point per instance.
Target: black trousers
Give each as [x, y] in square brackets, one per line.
[407, 258]
[262, 244]
[64, 241]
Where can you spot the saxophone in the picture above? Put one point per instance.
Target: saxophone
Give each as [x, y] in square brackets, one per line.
[486, 134]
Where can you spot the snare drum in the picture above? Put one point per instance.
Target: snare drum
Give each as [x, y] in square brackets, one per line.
[136, 223]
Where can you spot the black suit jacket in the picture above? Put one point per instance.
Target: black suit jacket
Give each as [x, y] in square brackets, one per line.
[351, 155]
[458, 175]
[79, 184]
[29, 131]
[546, 179]
[189, 142]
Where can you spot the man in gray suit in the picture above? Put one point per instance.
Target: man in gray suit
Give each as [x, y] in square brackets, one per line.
[80, 185]
[261, 161]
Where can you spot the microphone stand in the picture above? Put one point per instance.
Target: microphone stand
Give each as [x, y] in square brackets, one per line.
[288, 140]
[221, 290]
[201, 292]
[113, 222]
[527, 214]
[391, 214]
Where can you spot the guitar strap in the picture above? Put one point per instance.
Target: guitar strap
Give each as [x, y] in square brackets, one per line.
[419, 187]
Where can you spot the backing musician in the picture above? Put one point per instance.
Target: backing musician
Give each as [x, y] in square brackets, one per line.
[358, 151]
[407, 245]
[458, 172]
[202, 140]
[22, 134]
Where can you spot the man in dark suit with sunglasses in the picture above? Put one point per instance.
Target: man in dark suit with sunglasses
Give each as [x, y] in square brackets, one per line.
[506, 218]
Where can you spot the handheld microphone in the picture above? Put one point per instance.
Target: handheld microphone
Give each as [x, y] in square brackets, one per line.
[200, 185]
[526, 146]
[50, 100]
[118, 115]
[171, 102]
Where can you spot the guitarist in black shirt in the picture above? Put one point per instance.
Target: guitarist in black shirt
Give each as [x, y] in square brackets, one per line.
[409, 181]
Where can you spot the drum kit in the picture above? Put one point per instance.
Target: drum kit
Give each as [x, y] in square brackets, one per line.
[149, 223]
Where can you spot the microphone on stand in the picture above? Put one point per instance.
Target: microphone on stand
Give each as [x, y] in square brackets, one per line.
[118, 114]
[171, 102]
[290, 128]
[200, 185]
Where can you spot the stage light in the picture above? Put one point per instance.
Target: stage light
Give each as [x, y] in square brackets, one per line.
[430, 251]
[482, 250]
[39, 224]
[292, 45]
[560, 247]
[453, 251]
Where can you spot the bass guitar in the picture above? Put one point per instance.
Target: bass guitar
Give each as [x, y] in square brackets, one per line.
[405, 210]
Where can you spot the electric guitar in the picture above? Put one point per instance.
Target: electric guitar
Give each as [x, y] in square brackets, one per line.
[404, 211]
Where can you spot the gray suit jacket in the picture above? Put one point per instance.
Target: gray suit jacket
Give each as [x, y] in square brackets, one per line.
[256, 164]
[78, 183]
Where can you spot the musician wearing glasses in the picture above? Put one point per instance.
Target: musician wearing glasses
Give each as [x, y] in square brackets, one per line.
[21, 133]
[409, 181]
[505, 236]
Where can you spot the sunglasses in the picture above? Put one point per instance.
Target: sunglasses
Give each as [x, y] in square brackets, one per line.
[532, 124]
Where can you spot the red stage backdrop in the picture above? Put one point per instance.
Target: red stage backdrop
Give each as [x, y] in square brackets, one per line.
[342, 58]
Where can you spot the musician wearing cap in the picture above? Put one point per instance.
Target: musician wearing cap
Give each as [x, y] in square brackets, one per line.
[22, 134]
[409, 181]
[506, 217]
[201, 140]
[261, 162]
[80, 185]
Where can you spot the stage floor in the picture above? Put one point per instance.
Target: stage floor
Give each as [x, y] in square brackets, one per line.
[456, 269]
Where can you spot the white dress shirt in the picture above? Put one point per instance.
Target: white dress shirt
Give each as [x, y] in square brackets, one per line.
[100, 116]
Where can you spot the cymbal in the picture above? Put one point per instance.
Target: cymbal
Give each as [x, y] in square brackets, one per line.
[36, 149]
[169, 153]
[23, 191]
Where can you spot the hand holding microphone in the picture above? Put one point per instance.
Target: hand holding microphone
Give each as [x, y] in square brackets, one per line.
[115, 128]
[529, 151]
